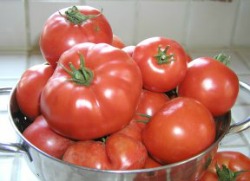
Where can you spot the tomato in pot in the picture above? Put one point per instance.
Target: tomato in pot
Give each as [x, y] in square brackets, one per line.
[118, 152]
[70, 26]
[182, 128]
[212, 83]
[29, 88]
[162, 62]
[94, 92]
[41, 136]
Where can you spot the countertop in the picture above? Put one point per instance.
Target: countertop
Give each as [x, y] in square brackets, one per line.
[13, 167]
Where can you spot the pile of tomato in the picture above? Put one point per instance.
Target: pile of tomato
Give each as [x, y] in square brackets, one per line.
[100, 104]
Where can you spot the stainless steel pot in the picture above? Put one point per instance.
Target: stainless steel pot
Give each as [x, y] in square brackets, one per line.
[48, 168]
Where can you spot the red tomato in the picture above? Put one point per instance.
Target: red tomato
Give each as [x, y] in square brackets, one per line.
[99, 98]
[41, 136]
[119, 152]
[29, 89]
[162, 62]
[234, 162]
[117, 42]
[129, 50]
[70, 26]
[170, 137]
[212, 83]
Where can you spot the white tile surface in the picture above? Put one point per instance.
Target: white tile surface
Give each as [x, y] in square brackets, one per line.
[242, 27]
[211, 23]
[161, 18]
[13, 26]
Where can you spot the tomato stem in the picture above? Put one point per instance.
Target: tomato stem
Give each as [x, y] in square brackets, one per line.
[225, 174]
[162, 57]
[76, 17]
[225, 59]
[83, 75]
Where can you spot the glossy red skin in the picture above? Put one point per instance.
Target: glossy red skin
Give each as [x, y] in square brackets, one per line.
[125, 153]
[233, 160]
[29, 88]
[160, 77]
[106, 104]
[119, 152]
[59, 34]
[42, 137]
[129, 49]
[212, 83]
[180, 130]
[117, 42]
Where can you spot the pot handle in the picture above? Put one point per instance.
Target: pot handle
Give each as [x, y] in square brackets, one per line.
[245, 124]
[11, 148]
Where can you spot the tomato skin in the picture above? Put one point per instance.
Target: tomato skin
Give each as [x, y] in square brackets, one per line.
[235, 161]
[160, 77]
[125, 152]
[129, 49]
[59, 34]
[117, 42]
[29, 88]
[40, 135]
[212, 83]
[91, 154]
[105, 103]
[119, 152]
[174, 125]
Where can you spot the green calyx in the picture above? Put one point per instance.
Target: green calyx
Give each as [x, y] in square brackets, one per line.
[81, 76]
[162, 57]
[225, 174]
[76, 17]
[225, 59]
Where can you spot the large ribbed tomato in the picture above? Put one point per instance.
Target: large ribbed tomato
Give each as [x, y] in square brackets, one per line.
[70, 26]
[93, 92]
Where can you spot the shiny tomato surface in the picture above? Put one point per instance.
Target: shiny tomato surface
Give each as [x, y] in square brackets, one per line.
[98, 102]
[41, 136]
[212, 83]
[237, 167]
[29, 88]
[162, 62]
[181, 129]
[62, 30]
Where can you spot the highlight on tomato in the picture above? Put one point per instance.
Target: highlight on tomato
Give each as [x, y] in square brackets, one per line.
[93, 92]
[70, 26]
[162, 62]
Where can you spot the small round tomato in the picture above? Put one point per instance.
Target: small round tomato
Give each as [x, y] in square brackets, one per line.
[228, 165]
[89, 95]
[182, 128]
[29, 88]
[212, 83]
[41, 136]
[70, 26]
[162, 62]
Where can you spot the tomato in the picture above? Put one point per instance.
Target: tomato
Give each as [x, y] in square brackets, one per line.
[235, 163]
[182, 128]
[117, 42]
[129, 49]
[70, 26]
[29, 89]
[212, 83]
[119, 152]
[97, 97]
[41, 136]
[162, 62]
